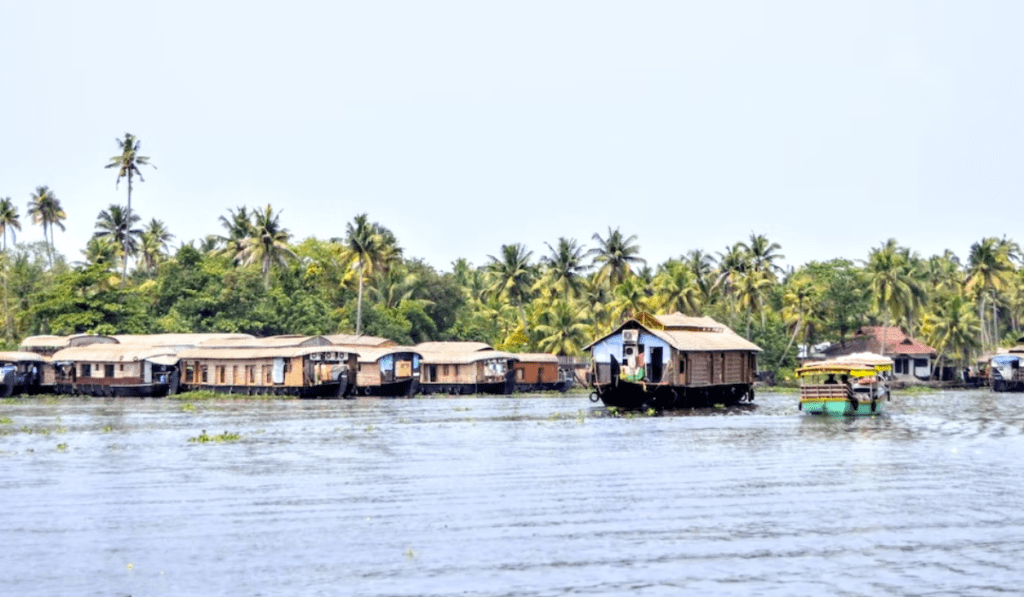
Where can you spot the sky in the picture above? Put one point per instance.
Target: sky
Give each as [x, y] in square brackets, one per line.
[465, 125]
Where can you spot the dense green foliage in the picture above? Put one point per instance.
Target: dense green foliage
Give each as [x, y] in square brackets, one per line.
[254, 278]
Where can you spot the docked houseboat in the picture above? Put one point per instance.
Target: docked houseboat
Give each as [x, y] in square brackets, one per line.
[389, 372]
[536, 372]
[672, 361]
[1006, 371]
[845, 387]
[115, 370]
[465, 368]
[44, 345]
[25, 373]
[305, 371]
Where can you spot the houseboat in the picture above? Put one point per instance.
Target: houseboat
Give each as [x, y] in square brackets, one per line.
[115, 370]
[306, 371]
[44, 345]
[465, 368]
[25, 373]
[391, 372]
[672, 361]
[535, 372]
[1006, 371]
[845, 387]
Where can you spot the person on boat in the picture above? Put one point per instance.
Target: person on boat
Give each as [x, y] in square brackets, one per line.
[831, 378]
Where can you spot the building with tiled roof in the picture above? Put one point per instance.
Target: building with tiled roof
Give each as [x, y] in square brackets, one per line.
[911, 358]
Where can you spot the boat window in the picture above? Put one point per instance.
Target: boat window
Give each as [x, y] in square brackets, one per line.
[108, 370]
[190, 373]
[682, 365]
[86, 370]
[202, 373]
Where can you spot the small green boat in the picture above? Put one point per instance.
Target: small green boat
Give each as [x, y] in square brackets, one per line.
[845, 386]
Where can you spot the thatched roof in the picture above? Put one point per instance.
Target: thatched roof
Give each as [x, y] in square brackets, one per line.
[44, 342]
[253, 353]
[268, 342]
[110, 353]
[22, 357]
[690, 334]
[359, 340]
[536, 357]
[461, 357]
[371, 355]
[453, 346]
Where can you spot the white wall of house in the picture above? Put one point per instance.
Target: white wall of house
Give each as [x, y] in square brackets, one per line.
[911, 367]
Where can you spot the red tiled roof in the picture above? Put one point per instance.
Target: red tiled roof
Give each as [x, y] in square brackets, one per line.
[893, 340]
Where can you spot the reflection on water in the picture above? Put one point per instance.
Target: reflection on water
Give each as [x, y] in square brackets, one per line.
[510, 496]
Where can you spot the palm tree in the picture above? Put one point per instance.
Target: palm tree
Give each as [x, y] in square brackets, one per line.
[101, 250]
[630, 298]
[886, 269]
[268, 244]
[616, 255]
[564, 270]
[797, 306]
[510, 276]
[703, 267]
[9, 219]
[563, 328]
[238, 227]
[763, 255]
[751, 287]
[113, 224]
[364, 247]
[676, 289]
[156, 239]
[127, 163]
[952, 328]
[45, 209]
[989, 269]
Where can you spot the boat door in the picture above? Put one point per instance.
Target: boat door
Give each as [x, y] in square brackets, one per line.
[656, 365]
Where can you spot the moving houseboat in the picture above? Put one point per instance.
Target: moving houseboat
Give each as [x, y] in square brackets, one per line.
[115, 370]
[672, 361]
[306, 371]
[465, 368]
[25, 373]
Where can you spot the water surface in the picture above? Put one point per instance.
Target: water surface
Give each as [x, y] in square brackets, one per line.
[510, 496]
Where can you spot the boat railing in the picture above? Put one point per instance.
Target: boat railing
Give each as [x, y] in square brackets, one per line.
[825, 390]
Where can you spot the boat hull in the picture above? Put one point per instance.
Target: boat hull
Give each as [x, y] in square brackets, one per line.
[842, 407]
[406, 388]
[628, 395]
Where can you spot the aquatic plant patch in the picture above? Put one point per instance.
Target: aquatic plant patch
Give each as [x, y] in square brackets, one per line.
[203, 437]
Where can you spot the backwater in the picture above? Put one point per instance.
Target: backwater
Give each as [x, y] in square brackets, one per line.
[536, 496]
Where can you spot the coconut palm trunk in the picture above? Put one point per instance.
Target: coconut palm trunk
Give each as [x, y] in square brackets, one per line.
[128, 219]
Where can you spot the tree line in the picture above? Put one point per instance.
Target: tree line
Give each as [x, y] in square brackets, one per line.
[252, 276]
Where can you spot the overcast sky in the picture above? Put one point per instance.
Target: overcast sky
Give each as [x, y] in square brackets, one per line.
[464, 125]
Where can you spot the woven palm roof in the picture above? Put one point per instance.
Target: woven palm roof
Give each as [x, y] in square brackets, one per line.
[359, 340]
[691, 334]
[453, 346]
[22, 356]
[110, 353]
[461, 357]
[267, 342]
[536, 357]
[370, 355]
[251, 353]
[44, 342]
